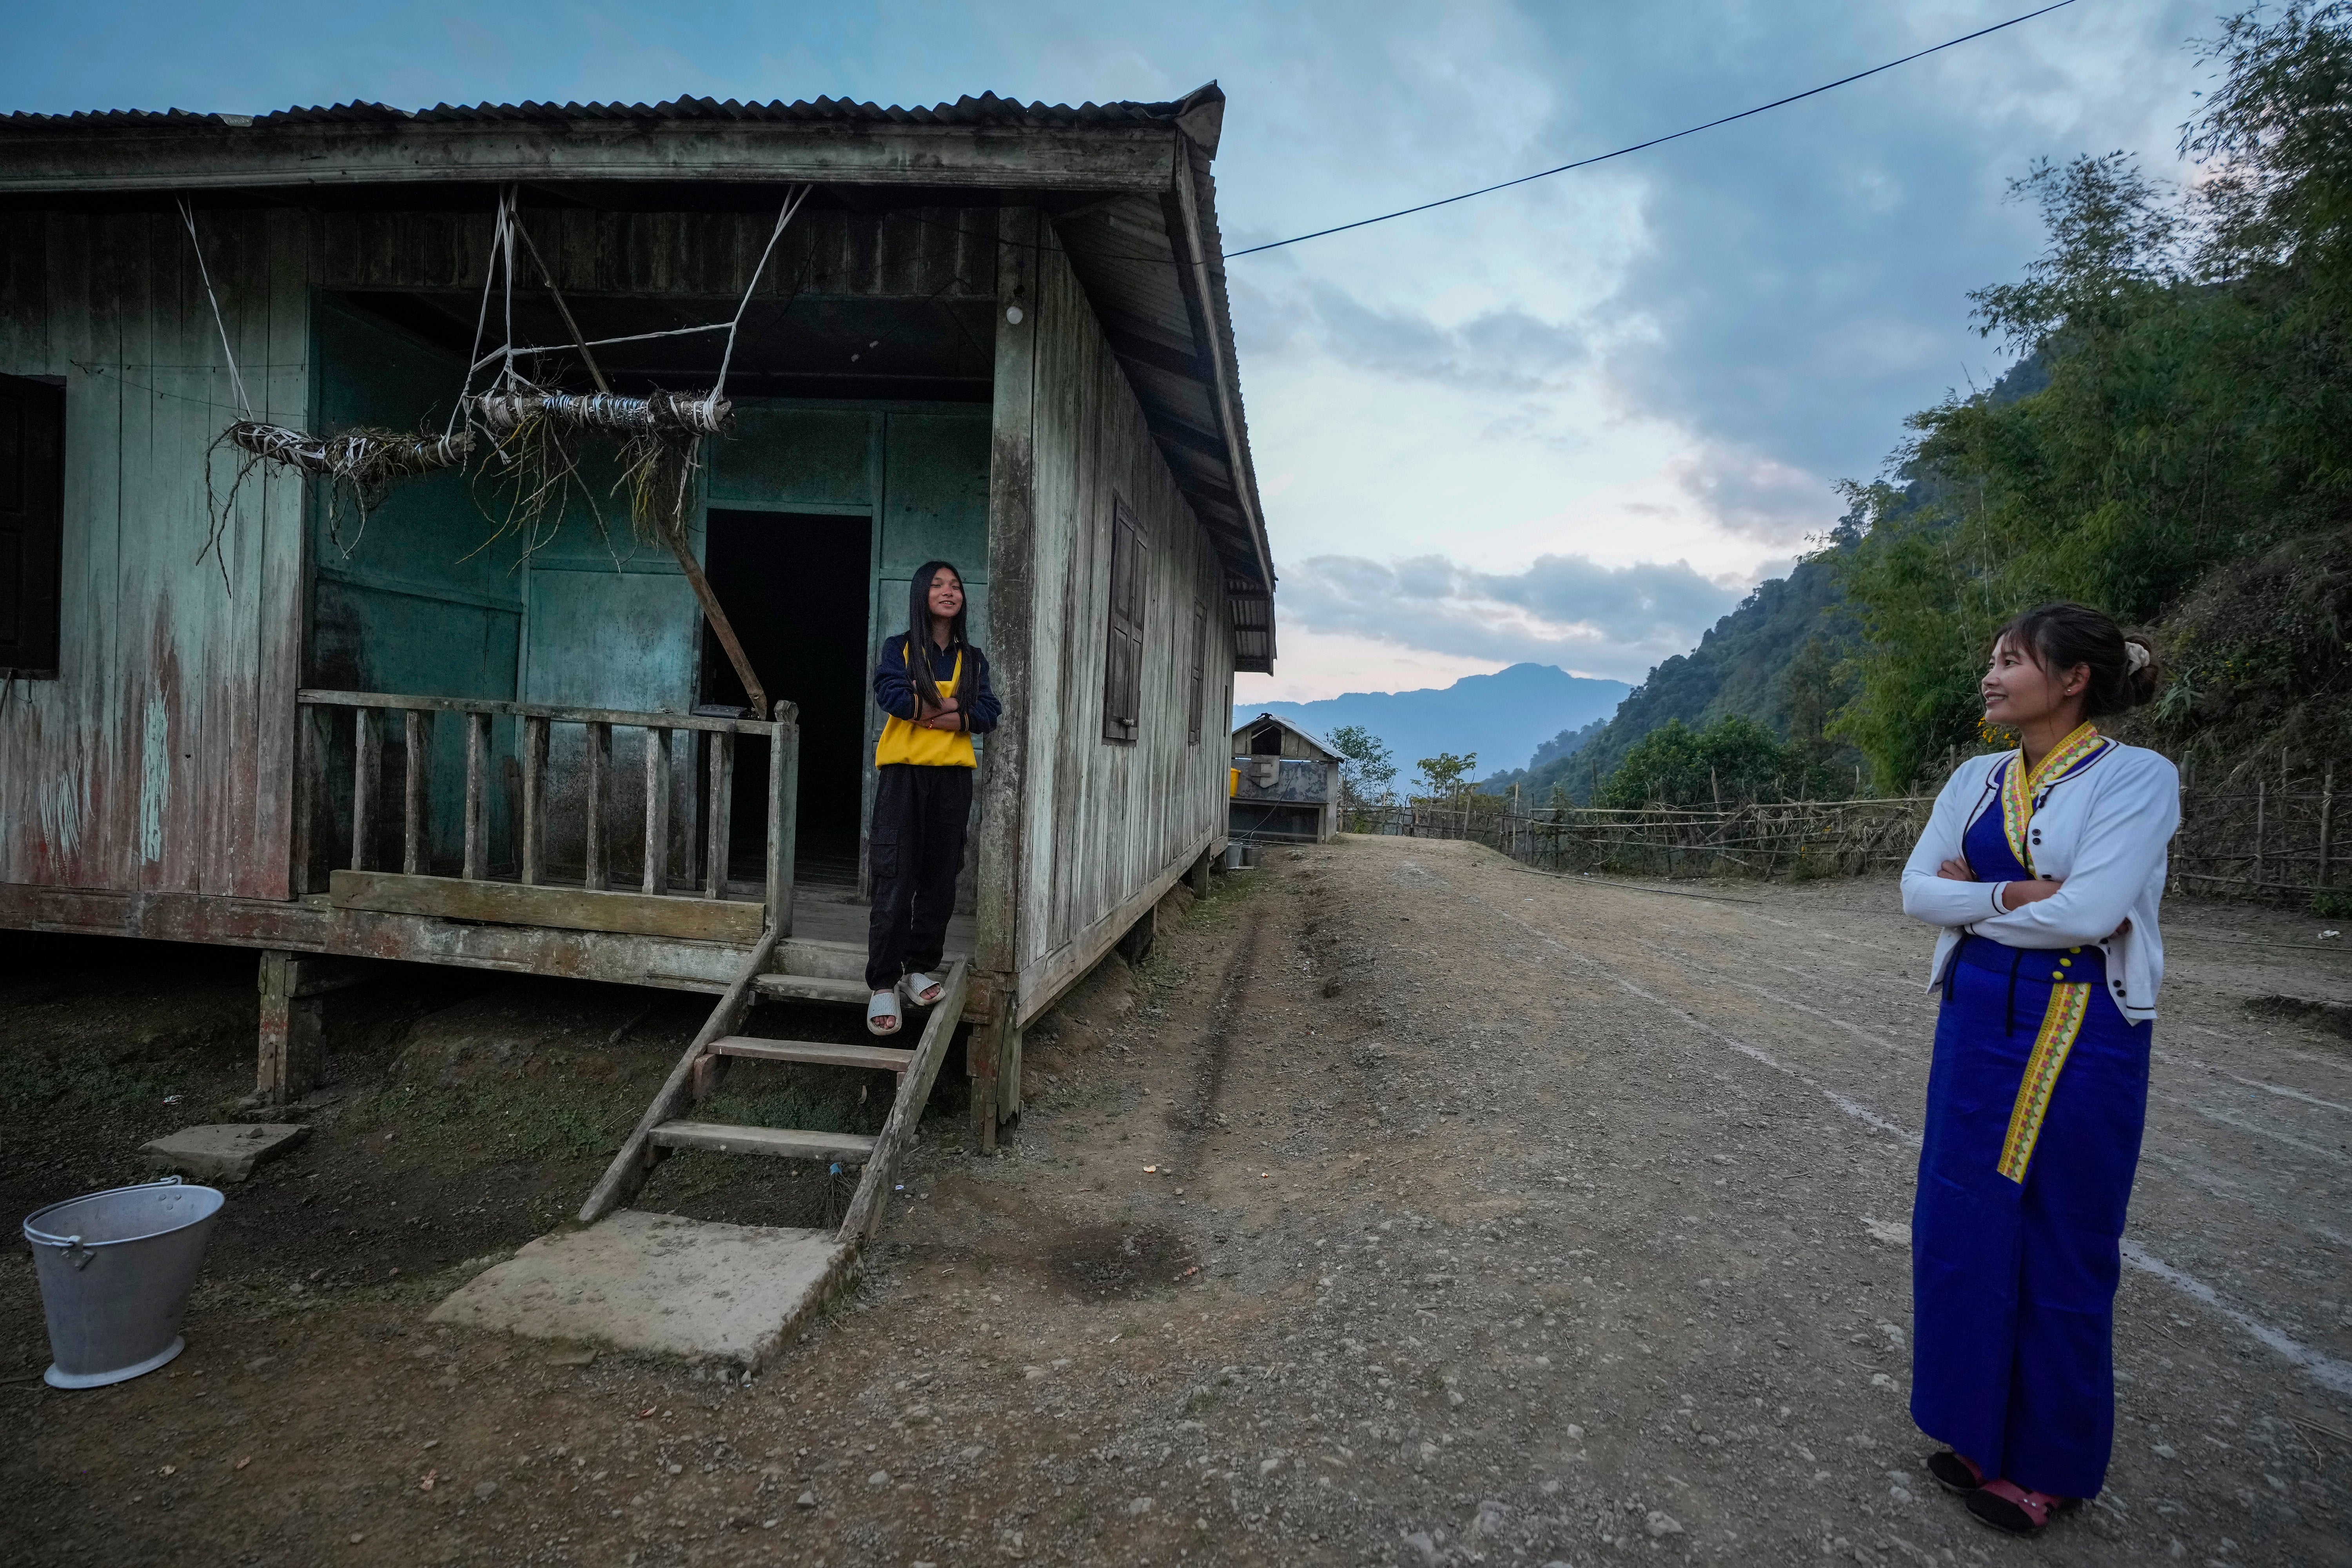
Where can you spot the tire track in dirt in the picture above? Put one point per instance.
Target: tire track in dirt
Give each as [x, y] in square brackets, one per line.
[1216, 1046]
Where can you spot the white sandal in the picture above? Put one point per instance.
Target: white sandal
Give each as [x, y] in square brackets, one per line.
[882, 1013]
[921, 989]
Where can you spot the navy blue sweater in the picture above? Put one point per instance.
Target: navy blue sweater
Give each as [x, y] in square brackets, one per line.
[894, 686]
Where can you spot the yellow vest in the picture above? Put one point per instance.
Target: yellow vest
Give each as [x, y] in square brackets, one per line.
[905, 742]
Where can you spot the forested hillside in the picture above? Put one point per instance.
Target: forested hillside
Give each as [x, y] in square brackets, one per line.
[2174, 447]
[1774, 659]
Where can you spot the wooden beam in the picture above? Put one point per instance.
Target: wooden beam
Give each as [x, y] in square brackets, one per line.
[565, 909]
[719, 815]
[656, 880]
[628, 1172]
[1095, 158]
[1200, 299]
[867, 1209]
[783, 805]
[477, 825]
[497, 708]
[292, 1034]
[1157, 355]
[534, 801]
[781, 1143]
[1013, 592]
[1174, 432]
[815, 1053]
[597, 806]
[314, 925]
[416, 793]
[367, 785]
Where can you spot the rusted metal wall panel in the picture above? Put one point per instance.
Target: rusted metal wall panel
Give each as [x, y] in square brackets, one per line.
[157, 760]
[1103, 822]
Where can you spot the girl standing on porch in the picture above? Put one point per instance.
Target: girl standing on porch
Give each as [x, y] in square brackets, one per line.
[2044, 865]
[933, 685]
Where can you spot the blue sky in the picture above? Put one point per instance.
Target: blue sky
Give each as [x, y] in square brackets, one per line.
[1573, 421]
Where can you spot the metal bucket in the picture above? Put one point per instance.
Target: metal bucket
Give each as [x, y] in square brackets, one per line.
[116, 1268]
[1236, 854]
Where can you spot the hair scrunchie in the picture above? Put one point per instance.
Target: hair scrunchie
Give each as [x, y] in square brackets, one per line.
[2136, 656]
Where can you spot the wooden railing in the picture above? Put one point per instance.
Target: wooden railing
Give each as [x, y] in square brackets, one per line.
[510, 878]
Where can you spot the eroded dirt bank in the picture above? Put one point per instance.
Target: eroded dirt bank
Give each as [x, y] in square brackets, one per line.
[1405, 1207]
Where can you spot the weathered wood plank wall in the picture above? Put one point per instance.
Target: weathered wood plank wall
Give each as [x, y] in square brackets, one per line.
[1103, 822]
[163, 757]
[943, 253]
[157, 760]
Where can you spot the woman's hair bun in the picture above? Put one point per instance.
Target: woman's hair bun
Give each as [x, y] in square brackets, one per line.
[2125, 670]
[2143, 670]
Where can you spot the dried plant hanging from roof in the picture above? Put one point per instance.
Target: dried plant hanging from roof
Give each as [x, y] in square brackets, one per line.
[358, 465]
[531, 429]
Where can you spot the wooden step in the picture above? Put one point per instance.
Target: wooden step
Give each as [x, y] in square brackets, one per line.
[814, 988]
[817, 1053]
[850, 1148]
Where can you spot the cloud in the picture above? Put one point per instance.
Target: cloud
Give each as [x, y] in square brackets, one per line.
[1754, 495]
[1507, 351]
[1564, 610]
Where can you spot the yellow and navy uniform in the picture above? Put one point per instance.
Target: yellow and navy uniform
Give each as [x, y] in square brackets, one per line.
[959, 671]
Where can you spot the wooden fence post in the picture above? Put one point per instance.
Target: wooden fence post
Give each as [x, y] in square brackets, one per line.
[2328, 827]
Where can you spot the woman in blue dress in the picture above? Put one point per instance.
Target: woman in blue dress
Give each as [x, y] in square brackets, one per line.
[2043, 867]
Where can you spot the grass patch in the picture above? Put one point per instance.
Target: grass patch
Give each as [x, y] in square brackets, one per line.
[32, 1080]
[488, 1121]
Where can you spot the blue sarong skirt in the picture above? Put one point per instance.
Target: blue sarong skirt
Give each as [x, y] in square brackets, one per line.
[2016, 1228]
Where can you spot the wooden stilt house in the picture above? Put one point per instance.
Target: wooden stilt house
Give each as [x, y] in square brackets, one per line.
[441, 718]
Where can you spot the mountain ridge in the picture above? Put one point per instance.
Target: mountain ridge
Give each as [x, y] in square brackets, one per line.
[1505, 717]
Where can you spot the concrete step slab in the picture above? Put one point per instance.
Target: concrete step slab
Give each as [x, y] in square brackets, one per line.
[225, 1150]
[659, 1284]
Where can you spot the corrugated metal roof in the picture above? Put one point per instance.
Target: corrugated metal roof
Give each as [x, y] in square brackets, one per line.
[988, 109]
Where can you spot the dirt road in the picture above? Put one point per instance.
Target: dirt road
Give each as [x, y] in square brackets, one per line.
[1406, 1207]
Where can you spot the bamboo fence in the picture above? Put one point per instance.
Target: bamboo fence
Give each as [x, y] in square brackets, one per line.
[1799, 838]
[2270, 833]
[2267, 833]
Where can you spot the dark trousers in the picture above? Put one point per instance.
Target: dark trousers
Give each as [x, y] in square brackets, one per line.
[917, 847]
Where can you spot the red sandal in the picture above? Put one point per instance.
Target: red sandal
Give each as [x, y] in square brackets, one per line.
[2006, 1506]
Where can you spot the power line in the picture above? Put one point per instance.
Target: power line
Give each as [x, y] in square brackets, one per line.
[1653, 142]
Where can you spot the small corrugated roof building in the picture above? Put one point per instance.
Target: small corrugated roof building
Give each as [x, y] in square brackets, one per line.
[1285, 783]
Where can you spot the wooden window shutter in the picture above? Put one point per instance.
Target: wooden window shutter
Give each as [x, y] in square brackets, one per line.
[1200, 671]
[1123, 663]
[32, 523]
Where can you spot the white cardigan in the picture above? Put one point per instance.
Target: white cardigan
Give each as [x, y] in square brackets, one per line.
[2102, 830]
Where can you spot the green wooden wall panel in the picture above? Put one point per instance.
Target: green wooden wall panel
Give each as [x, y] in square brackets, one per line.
[936, 493]
[782, 456]
[428, 533]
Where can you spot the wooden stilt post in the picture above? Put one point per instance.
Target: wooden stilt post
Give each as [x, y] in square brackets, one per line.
[293, 1033]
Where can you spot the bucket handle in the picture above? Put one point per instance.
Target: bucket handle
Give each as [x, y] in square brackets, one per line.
[71, 1246]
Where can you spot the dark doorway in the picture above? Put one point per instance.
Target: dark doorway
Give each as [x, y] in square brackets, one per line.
[796, 587]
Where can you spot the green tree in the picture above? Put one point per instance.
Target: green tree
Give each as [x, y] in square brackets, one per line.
[1446, 776]
[1366, 771]
[2189, 418]
[1734, 760]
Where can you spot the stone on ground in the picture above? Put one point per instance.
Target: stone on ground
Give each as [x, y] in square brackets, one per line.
[657, 1283]
[225, 1150]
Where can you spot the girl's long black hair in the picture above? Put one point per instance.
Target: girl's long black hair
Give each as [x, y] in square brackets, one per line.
[919, 626]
